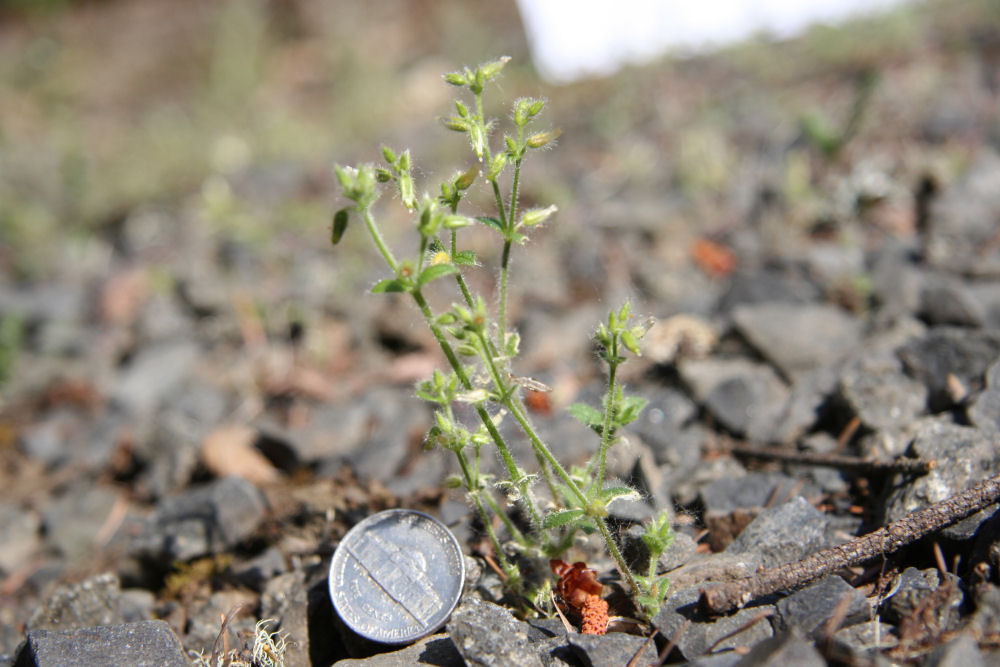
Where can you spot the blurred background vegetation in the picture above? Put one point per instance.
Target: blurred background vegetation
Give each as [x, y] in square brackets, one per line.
[107, 106]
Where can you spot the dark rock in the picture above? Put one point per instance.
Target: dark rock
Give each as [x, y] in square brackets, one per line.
[767, 285]
[947, 351]
[787, 648]
[703, 568]
[964, 456]
[810, 609]
[914, 587]
[488, 635]
[611, 649]
[731, 503]
[136, 604]
[665, 417]
[701, 633]
[142, 644]
[986, 296]
[260, 569]
[93, 601]
[984, 411]
[204, 520]
[19, 538]
[783, 534]
[798, 338]
[397, 424]
[437, 650]
[962, 651]
[152, 374]
[744, 397]
[945, 300]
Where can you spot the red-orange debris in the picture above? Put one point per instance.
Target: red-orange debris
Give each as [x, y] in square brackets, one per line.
[579, 588]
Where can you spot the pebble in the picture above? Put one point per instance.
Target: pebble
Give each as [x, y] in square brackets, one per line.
[783, 534]
[142, 644]
[810, 610]
[487, 635]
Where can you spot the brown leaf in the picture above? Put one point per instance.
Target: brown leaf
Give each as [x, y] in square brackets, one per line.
[229, 450]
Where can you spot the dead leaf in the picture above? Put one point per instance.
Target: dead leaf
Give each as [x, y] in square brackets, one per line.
[229, 450]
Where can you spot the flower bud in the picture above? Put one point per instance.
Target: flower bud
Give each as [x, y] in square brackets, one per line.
[537, 216]
[456, 78]
[389, 155]
[543, 138]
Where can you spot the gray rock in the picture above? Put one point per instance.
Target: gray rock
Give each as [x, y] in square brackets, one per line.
[810, 609]
[488, 635]
[703, 568]
[798, 338]
[984, 411]
[962, 651]
[879, 394]
[187, 415]
[731, 503]
[286, 599]
[767, 285]
[783, 534]
[154, 372]
[142, 644]
[611, 649]
[438, 650]
[74, 519]
[945, 351]
[700, 635]
[945, 300]
[787, 648]
[93, 601]
[19, 538]
[986, 296]
[396, 422]
[914, 586]
[964, 456]
[204, 520]
[863, 640]
[744, 397]
[47, 440]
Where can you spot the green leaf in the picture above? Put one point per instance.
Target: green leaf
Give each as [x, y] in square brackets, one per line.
[435, 272]
[587, 414]
[561, 518]
[465, 258]
[389, 285]
[629, 409]
[340, 219]
[613, 493]
[491, 222]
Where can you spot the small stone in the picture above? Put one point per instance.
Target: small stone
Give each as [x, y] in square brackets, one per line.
[768, 285]
[731, 503]
[19, 538]
[154, 372]
[783, 534]
[611, 649]
[798, 338]
[914, 586]
[142, 644]
[964, 457]
[703, 568]
[438, 650]
[93, 601]
[487, 635]
[810, 609]
[700, 635]
[880, 395]
[286, 599]
[787, 648]
[204, 520]
[945, 351]
[864, 639]
[984, 411]
[744, 397]
[74, 519]
[962, 651]
[945, 300]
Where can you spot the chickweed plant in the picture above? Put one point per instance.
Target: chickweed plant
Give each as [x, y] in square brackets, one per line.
[481, 348]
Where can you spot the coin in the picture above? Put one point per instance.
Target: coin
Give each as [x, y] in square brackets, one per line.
[397, 576]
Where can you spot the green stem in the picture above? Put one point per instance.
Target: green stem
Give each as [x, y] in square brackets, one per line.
[606, 439]
[484, 416]
[502, 306]
[373, 229]
[609, 541]
[459, 278]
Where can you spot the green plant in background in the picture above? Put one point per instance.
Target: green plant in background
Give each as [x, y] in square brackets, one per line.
[480, 346]
[819, 130]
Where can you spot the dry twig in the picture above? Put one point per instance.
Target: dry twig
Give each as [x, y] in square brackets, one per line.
[726, 597]
[841, 462]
